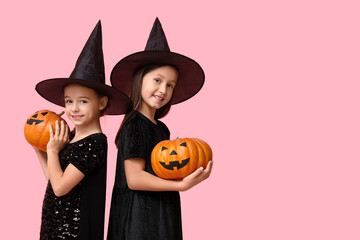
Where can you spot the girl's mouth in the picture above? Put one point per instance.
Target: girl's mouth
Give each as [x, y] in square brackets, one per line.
[77, 117]
[159, 98]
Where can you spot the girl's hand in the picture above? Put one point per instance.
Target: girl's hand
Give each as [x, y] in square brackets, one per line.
[196, 177]
[59, 138]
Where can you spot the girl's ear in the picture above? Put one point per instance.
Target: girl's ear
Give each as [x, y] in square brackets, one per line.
[103, 102]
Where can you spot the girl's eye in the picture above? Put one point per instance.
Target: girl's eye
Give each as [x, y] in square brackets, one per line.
[83, 101]
[68, 101]
[170, 86]
[157, 80]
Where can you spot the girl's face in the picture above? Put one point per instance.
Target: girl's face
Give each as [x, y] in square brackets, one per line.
[83, 105]
[157, 87]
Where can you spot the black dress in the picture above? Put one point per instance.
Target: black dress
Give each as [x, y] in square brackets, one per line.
[80, 213]
[136, 215]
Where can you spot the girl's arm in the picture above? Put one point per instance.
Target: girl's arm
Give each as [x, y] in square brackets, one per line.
[138, 179]
[43, 162]
[61, 181]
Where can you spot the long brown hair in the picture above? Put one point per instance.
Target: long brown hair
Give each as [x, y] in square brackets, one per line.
[135, 95]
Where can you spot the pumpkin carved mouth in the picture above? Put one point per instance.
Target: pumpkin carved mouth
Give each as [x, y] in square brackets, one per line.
[31, 121]
[176, 164]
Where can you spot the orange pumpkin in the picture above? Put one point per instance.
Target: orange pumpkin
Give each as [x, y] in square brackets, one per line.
[36, 128]
[175, 159]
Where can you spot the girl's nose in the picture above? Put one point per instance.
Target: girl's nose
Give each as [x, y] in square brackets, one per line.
[162, 88]
[75, 107]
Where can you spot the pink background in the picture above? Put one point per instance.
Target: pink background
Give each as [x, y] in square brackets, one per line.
[280, 108]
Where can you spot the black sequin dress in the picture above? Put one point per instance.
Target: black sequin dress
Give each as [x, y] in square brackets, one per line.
[80, 213]
[142, 215]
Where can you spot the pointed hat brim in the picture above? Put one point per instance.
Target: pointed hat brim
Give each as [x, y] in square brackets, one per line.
[52, 90]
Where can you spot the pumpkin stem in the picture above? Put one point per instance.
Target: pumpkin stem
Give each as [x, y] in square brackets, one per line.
[177, 138]
[60, 114]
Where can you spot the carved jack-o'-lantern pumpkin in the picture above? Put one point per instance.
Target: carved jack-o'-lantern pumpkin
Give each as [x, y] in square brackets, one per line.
[36, 128]
[175, 159]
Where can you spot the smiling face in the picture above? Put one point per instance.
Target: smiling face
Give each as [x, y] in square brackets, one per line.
[178, 156]
[83, 105]
[37, 118]
[157, 88]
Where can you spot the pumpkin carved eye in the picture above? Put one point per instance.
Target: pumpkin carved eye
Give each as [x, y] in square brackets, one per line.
[164, 148]
[183, 144]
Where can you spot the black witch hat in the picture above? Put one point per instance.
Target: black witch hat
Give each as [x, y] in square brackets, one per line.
[89, 72]
[157, 51]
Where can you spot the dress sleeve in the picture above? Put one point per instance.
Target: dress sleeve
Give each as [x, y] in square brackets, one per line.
[90, 154]
[132, 138]
[165, 129]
